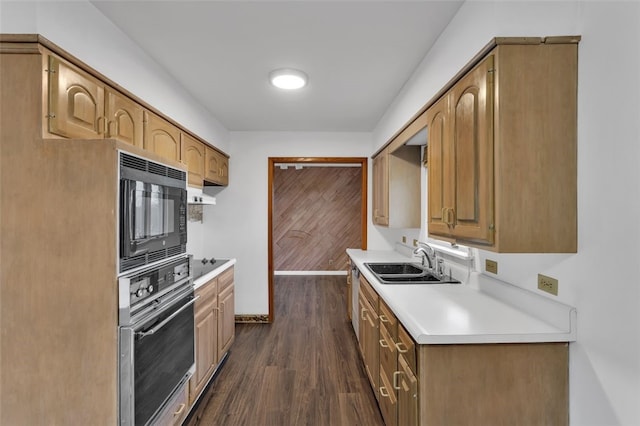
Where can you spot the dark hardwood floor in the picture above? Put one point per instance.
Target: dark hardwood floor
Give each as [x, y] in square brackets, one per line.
[303, 369]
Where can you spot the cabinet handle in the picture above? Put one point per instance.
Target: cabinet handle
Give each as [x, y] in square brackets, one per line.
[396, 374]
[180, 410]
[402, 348]
[362, 316]
[383, 318]
[451, 214]
[383, 392]
[383, 343]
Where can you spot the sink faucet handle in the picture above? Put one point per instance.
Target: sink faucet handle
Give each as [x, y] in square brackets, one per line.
[440, 267]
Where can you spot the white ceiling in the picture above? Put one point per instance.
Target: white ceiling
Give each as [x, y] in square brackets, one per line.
[358, 55]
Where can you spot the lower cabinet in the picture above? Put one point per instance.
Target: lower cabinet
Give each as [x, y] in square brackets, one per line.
[406, 379]
[226, 317]
[459, 384]
[214, 329]
[388, 365]
[369, 333]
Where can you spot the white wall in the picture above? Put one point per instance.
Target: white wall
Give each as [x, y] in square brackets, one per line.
[237, 225]
[601, 280]
[79, 28]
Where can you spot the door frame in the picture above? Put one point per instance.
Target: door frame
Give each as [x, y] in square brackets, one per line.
[363, 161]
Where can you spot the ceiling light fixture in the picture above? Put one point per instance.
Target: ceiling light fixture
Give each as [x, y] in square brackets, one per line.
[288, 79]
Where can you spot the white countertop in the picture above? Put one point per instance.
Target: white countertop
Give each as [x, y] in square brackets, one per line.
[466, 313]
[213, 273]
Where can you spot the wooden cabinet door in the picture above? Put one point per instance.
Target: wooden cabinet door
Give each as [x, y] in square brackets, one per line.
[407, 387]
[76, 102]
[224, 170]
[472, 145]
[226, 309]
[371, 345]
[380, 191]
[193, 153]
[161, 137]
[388, 367]
[216, 167]
[439, 167]
[226, 321]
[125, 119]
[206, 338]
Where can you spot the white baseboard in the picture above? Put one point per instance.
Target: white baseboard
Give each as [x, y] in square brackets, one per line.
[310, 273]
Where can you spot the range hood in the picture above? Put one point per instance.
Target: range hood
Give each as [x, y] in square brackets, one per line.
[196, 196]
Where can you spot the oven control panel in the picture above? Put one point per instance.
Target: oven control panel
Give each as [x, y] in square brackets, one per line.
[150, 283]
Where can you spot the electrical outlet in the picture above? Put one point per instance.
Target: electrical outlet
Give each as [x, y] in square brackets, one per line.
[491, 266]
[415, 242]
[404, 239]
[548, 284]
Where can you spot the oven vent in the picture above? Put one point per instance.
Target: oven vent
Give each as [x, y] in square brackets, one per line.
[176, 250]
[141, 164]
[132, 262]
[177, 174]
[132, 162]
[154, 256]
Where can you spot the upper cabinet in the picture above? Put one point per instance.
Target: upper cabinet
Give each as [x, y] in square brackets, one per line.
[79, 105]
[380, 194]
[396, 179]
[82, 107]
[124, 119]
[216, 167]
[460, 160]
[502, 171]
[193, 152]
[76, 102]
[161, 137]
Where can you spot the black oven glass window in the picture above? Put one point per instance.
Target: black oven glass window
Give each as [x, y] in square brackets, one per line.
[154, 214]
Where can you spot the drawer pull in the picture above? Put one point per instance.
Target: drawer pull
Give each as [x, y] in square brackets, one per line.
[402, 348]
[383, 392]
[383, 343]
[396, 374]
[384, 318]
[180, 410]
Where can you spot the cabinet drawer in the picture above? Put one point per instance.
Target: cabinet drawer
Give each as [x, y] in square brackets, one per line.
[369, 293]
[406, 347]
[388, 320]
[177, 409]
[388, 352]
[206, 292]
[225, 279]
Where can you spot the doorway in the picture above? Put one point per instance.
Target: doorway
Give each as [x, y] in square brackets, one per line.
[309, 226]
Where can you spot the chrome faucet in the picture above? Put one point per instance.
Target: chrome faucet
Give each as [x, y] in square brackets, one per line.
[428, 254]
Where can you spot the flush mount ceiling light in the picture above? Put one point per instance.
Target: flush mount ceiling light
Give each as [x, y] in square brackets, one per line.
[288, 79]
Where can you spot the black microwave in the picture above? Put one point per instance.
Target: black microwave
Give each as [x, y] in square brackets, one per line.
[153, 212]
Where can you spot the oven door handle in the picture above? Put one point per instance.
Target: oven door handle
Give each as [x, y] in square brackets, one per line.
[142, 334]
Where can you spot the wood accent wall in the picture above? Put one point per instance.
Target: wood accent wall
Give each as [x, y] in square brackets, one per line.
[316, 217]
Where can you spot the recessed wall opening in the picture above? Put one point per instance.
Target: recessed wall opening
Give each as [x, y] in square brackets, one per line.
[317, 209]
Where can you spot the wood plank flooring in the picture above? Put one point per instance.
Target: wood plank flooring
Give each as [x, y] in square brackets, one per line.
[303, 369]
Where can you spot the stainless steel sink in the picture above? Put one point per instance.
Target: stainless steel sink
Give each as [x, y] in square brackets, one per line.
[406, 273]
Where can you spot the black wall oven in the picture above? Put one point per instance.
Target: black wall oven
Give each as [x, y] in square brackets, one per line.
[153, 212]
[156, 339]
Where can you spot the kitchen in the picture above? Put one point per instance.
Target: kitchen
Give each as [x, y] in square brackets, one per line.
[604, 370]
